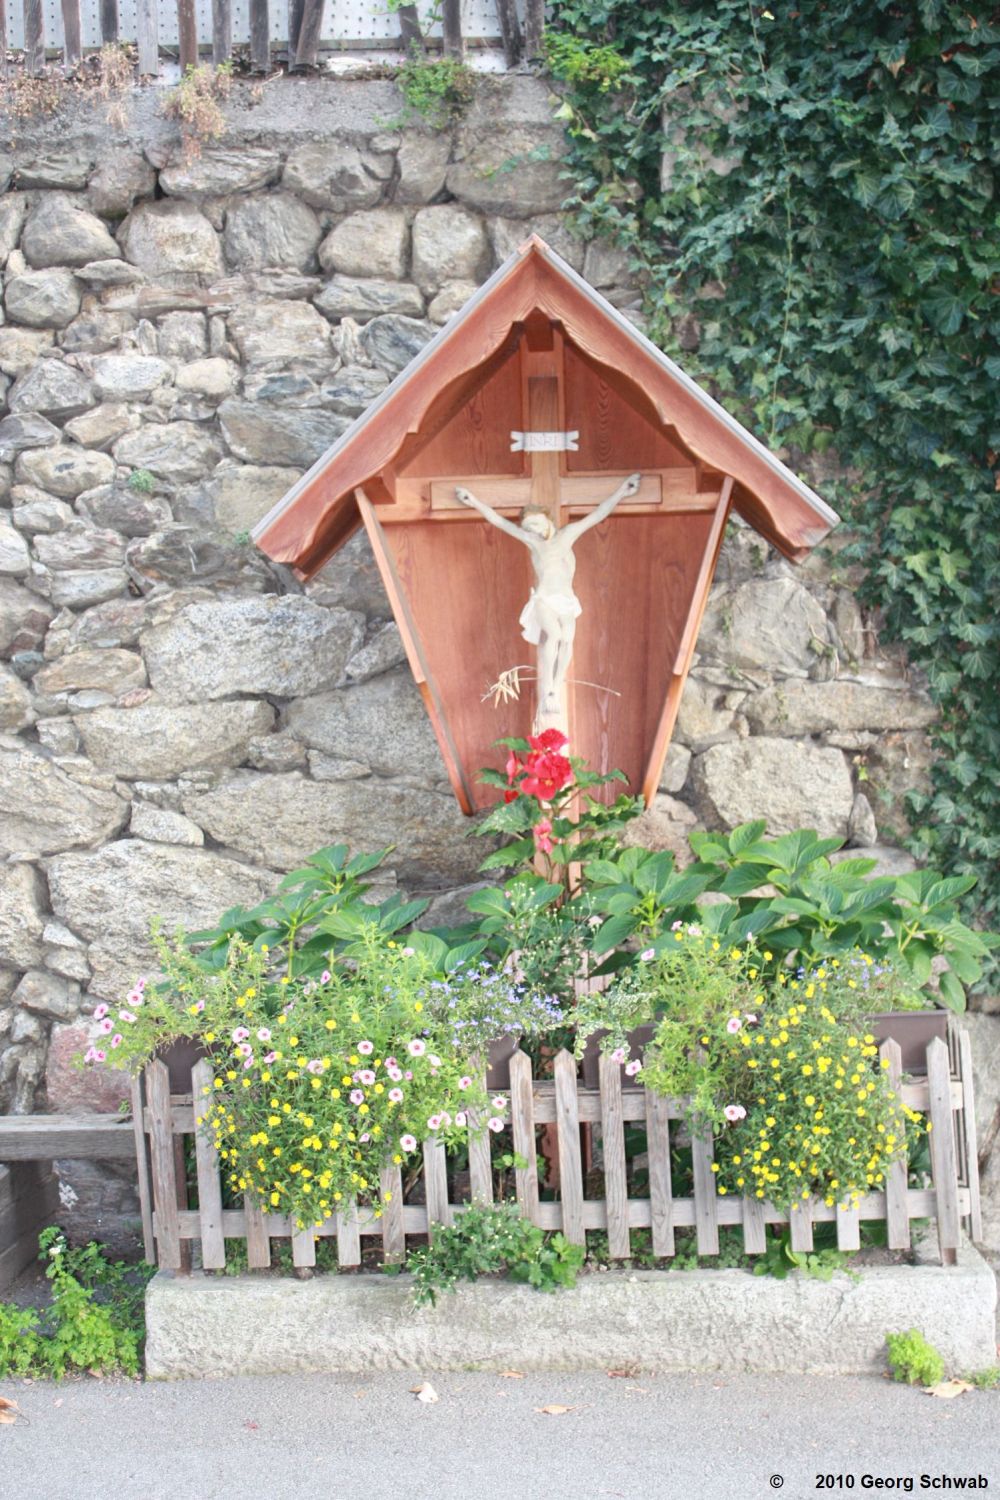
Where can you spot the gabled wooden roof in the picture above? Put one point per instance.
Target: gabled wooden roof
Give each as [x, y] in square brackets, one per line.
[321, 511]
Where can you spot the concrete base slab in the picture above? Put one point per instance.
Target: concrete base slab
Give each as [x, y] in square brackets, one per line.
[202, 1325]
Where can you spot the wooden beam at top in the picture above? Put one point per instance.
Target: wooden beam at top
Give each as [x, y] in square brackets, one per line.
[543, 416]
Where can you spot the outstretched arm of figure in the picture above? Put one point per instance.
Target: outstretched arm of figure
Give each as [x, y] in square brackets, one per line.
[489, 514]
[576, 529]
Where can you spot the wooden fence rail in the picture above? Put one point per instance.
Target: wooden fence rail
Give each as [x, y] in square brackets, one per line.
[191, 30]
[171, 1225]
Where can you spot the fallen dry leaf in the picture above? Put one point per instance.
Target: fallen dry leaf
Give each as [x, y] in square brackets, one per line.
[554, 1411]
[9, 1410]
[627, 1372]
[425, 1392]
[511, 1374]
[946, 1389]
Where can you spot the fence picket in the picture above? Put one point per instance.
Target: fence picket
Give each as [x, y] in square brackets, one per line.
[897, 1214]
[480, 1159]
[570, 1160]
[393, 1233]
[222, 31]
[147, 37]
[522, 1114]
[260, 37]
[848, 1229]
[436, 1185]
[754, 1226]
[213, 1244]
[34, 36]
[258, 1239]
[615, 1165]
[800, 1224]
[706, 1221]
[72, 46]
[944, 1166]
[109, 21]
[3, 38]
[142, 1159]
[303, 1248]
[187, 31]
[968, 1118]
[660, 1190]
[310, 26]
[348, 1236]
[161, 1151]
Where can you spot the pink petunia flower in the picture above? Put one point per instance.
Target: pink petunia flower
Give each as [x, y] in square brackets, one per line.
[408, 1142]
[324, 978]
[465, 1082]
[499, 1104]
[417, 1047]
[396, 1095]
[364, 1137]
[750, 1020]
[357, 1096]
[618, 1055]
[100, 1012]
[263, 1034]
[248, 1063]
[445, 1118]
[395, 1073]
[314, 1065]
[365, 1076]
[494, 1124]
[99, 1054]
[733, 1025]
[460, 1118]
[433, 1122]
[407, 952]
[270, 1057]
[391, 1062]
[126, 1015]
[90, 1055]
[734, 1112]
[240, 1034]
[117, 1039]
[646, 955]
[107, 1025]
[408, 1074]
[245, 1049]
[434, 1061]
[633, 1067]
[140, 984]
[366, 1048]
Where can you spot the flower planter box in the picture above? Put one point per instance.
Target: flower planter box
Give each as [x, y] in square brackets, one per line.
[912, 1031]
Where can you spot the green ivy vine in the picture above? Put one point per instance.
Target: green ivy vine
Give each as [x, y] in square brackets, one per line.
[828, 217]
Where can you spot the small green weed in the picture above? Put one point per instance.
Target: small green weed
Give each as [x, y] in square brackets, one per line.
[819, 1264]
[491, 1241]
[437, 90]
[986, 1380]
[141, 482]
[95, 1321]
[913, 1359]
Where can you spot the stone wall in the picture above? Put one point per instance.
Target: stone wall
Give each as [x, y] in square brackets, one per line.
[180, 721]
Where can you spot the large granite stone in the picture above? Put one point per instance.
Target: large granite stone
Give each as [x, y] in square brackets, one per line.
[274, 330]
[371, 243]
[22, 916]
[99, 427]
[125, 510]
[113, 671]
[241, 494]
[24, 618]
[333, 175]
[423, 166]
[271, 230]
[364, 298]
[111, 895]
[449, 244]
[13, 208]
[15, 559]
[352, 722]
[180, 555]
[157, 741]
[220, 170]
[30, 430]
[43, 810]
[283, 819]
[80, 546]
[20, 347]
[510, 169]
[351, 580]
[283, 645]
[212, 378]
[171, 240]
[290, 436]
[797, 707]
[43, 299]
[65, 470]
[769, 623]
[53, 389]
[15, 702]
[120, 178]
[391, 342]
[790, 783]
[69, 169]
[176, 452]
[353, 388]
[58, 232]
[508, 235]
[130, 377]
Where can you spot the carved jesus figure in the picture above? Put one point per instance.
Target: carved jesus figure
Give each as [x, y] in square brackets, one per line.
[548, 620]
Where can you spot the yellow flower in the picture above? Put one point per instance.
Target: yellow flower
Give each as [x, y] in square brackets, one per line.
[330, 1025]
[210, 1036]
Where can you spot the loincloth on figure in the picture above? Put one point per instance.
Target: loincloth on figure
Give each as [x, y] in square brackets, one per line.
[563, 606]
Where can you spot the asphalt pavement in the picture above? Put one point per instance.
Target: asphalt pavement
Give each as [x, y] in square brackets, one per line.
[644, 1437]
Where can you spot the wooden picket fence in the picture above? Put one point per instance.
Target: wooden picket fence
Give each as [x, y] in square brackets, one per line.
[171, 1226]
[297, 31]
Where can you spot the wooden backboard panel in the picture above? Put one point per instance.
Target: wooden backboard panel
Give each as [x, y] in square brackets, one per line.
[612, 432]
[466, 585]
[477, 440]
[635, 579]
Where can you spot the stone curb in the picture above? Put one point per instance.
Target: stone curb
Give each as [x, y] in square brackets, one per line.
[667, 1321]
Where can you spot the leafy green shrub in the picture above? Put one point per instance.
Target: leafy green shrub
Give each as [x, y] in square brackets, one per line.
[490, 1241]
[141, 482]
[912, 1359]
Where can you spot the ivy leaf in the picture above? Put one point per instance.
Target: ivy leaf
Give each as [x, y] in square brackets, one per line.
[945, 312]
